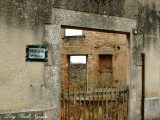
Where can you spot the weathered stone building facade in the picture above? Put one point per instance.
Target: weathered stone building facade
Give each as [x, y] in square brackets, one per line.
[35, 87]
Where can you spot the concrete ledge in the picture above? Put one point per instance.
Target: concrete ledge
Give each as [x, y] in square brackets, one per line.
[94, 21]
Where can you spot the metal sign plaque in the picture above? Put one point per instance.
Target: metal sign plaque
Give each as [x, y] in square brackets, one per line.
[36, 53]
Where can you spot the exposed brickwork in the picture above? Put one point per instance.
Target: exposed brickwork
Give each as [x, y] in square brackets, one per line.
[96, 43]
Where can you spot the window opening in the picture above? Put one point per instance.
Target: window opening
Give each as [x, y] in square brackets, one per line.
[77, 70]
[105, 69]
[73, 32]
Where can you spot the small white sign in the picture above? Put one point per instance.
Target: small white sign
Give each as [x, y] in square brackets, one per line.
[36, 53]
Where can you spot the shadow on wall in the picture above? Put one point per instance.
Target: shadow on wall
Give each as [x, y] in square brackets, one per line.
[148, 19]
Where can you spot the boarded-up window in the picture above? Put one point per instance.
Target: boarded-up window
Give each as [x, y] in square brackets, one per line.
[77, 70]
[105, 68]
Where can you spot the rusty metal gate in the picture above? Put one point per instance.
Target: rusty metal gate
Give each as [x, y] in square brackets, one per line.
[105, 103]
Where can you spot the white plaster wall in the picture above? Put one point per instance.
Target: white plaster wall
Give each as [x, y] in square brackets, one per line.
[20, 81]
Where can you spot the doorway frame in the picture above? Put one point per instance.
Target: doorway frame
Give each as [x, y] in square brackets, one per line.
[68, 18]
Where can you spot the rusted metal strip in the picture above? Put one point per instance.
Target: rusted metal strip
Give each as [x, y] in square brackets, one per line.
[111, 106]
[89, 108]
[106, 107]
[79, 113]
[98, 103]
[89, 104]
[115, 106]
[95, 93]
[84, 107]
[123, 103]
[64, 109]
[127, 102]
[93, 103]
[102, 103]
[74, 102]
[68, 103]
[118, 101]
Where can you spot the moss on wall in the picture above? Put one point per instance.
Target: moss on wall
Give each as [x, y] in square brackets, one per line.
[22, 11]
[36, 12]
[145, 12]
[109, 7]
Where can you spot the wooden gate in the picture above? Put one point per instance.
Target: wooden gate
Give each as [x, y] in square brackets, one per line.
[105, 103]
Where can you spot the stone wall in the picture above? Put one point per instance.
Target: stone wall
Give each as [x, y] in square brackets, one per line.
[146, 14]
[26, 87]
[106, 7]
[93, 44]
[22, 23]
